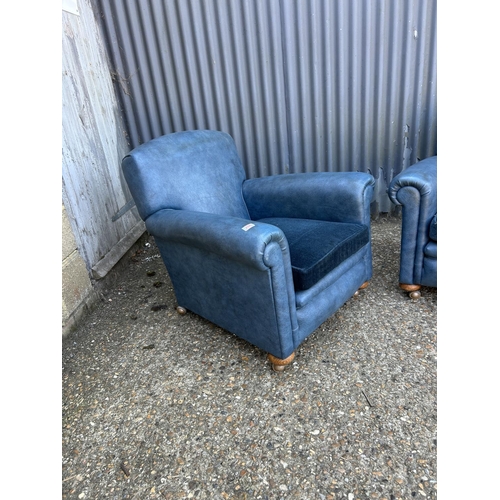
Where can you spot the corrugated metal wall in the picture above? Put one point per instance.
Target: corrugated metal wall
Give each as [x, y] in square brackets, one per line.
[301, 85]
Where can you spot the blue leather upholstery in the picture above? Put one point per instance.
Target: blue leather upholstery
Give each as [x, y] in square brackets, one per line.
[224, 241]
[415, 189]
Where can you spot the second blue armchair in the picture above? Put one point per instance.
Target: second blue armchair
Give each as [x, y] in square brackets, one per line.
[267, 259]
[415, 189]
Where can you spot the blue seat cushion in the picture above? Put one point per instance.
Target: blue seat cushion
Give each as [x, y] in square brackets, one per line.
[317, 247]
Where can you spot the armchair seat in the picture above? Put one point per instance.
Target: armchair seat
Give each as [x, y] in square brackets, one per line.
[268, 259]
[317, 247]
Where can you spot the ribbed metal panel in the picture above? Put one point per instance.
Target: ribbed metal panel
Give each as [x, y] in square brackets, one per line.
[301, 85]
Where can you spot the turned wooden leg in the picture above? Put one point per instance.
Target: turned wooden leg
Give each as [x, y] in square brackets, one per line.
[362, 287]
[413, 290]
[279, 364]
[181, 310]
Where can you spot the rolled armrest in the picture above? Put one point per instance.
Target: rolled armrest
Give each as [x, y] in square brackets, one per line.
[418, 181]
[231, 237]
[332, 196]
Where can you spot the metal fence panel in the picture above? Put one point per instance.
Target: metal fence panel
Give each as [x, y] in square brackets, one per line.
[301, 85]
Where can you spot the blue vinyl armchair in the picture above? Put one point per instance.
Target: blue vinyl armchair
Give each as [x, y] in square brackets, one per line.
[415, 189]
[267, 259]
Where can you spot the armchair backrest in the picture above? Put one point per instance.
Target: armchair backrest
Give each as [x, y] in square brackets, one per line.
[197, 170]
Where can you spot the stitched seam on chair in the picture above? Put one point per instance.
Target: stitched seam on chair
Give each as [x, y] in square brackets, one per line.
[367, 186]
[271, 271]
[273, 291]
[419, 223]
[414, 256]
[244, 201]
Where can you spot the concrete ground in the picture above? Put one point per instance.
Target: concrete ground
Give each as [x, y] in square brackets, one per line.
[162, 406]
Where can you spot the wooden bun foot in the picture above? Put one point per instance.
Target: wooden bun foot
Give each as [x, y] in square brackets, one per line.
[362, 287]
[279, 364]
[413, 290]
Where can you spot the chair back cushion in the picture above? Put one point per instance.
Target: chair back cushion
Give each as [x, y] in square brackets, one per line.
[197, 170]
[317, 247]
